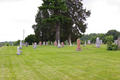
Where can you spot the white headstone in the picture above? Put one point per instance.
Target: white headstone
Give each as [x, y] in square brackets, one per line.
[88, 41]
[35, 45]
[100, 41]
[115, 41]
[18, 51]
[97, 42]
[46, 43]
[20, 44]
[43, 43]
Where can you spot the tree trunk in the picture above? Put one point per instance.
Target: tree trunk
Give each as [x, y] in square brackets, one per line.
[69, 38]
[58, 33]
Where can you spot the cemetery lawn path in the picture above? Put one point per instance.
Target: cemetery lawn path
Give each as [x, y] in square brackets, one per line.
[52, 63]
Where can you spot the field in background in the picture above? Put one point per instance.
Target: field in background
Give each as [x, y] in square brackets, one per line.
[51, 63]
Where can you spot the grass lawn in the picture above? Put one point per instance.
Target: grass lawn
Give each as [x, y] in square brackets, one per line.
[51, 63]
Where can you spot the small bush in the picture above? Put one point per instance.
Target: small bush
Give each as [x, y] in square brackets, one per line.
[112, 47]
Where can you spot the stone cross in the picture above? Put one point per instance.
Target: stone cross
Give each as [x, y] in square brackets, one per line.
[18, 51]
[62, 44]
[97, 42]
[115, 41]
[118, 42]
[78, 45]
[88, 41]
[20, 44]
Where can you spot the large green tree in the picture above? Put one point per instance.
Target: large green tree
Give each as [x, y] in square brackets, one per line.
[55, 7]
[78, 16]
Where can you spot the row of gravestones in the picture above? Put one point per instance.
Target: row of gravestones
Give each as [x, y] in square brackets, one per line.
[98, 42]
[18, 48]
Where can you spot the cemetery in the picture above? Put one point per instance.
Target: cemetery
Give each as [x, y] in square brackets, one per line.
[68, 62]
[59, 47]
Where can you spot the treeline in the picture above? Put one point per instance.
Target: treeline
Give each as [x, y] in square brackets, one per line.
[92, 37]
[10, 43]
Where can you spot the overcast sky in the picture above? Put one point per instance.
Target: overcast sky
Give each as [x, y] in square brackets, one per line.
[16, 15]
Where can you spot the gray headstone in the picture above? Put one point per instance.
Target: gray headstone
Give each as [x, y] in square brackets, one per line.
[26, 44]
[88, 41]
[35, 45]
[118, 42]
[97, 42]
[66, 42]
[115, 41]
[100, 41]
[44, 43]
[18, 51]
[20, 44]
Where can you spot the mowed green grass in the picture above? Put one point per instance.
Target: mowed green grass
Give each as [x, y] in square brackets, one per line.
[52, 63]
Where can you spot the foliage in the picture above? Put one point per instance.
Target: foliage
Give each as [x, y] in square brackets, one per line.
[114, 33]
[109, 39]
[16, 43]
[57, 17]
[7, 44]
[30, 39]
[110, 45]
[92, 36]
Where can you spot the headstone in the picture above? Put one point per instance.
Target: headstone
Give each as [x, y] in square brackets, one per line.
[62, 44]
[88, 41]
[46, 43]
[66, 42]
[40, 43]
[35, 45]
[118, 42]
[100, 41]
[78, 45]
[97, 42]
[73, 44]
[18, 51]
[115, 41]
[12, 44]
[55, 43]
[20, 44]
[26, 44]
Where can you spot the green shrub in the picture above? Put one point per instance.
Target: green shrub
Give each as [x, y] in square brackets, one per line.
[112, 47]
[7, 44]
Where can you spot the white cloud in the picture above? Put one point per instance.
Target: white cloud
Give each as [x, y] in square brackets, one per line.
[104, 16]
[16, 16]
